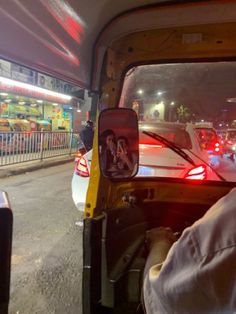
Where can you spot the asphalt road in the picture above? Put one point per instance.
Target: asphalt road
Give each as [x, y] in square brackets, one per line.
[47, 244]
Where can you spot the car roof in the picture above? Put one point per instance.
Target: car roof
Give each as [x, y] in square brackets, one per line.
[161, 125]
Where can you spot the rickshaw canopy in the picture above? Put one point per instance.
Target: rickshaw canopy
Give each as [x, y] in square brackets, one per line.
[76, 35]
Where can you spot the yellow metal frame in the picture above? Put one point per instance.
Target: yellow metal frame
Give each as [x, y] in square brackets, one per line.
[151, 46]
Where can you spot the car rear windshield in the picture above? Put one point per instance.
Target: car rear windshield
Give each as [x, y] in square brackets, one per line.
[177, 136]
[207, 136]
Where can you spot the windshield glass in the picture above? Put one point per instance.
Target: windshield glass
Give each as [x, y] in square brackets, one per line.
[207, 137]
[175, 134]
[190, 105]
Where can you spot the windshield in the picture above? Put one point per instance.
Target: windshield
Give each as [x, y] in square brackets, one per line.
[207, 137]
[187, 104]
[177, 134]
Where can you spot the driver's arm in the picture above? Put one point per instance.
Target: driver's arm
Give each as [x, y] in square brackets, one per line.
[171, 286]
[199, 272]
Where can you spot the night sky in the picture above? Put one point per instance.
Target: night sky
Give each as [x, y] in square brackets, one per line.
[203, 87]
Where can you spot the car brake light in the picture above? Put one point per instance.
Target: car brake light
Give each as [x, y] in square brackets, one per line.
[217, 147]
[81, 168]
[197, 173]
[150, 145]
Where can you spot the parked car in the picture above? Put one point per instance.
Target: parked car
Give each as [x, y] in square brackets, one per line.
[156, 159]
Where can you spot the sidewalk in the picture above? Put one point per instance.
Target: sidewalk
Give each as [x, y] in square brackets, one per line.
[7, 171]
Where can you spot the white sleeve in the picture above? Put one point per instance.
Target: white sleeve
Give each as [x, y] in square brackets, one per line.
[175, 289]
[192, 281]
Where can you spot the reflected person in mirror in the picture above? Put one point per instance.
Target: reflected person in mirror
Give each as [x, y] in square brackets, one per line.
[126, 160]
[108, 151]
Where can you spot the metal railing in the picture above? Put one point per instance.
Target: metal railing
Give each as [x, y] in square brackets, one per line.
[17, 147]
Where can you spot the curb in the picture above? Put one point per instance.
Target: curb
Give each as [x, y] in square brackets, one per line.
[28, 168]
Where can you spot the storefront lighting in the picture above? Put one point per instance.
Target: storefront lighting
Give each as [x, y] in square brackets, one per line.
[55, 104]
[21, 102]
[3, 94]
[34, 88]
[8, 100]
[33, 105]
[78, 110]
[70, 108]
[39, 101]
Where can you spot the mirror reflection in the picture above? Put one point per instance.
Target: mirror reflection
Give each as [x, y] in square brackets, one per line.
[118, 143]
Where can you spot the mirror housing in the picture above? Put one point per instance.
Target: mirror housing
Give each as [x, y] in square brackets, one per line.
[118, 138]
[6, 222]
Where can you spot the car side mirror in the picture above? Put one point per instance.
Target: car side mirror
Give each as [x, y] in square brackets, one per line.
[6, 222]
[118, 143]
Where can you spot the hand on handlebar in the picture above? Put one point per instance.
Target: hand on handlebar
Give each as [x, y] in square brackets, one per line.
[160, 234]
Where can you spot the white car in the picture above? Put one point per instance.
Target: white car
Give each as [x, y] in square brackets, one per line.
[155, 158]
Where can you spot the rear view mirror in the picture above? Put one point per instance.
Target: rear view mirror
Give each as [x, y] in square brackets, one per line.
[6, 221]
[118, 143]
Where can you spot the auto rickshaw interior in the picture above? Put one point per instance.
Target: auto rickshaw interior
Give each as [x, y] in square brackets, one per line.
[120, 210]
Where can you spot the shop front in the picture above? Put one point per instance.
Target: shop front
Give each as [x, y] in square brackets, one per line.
[46, 102]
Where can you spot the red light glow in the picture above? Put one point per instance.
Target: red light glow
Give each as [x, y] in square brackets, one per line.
[143, 146]
[81, 168]
[197, 173]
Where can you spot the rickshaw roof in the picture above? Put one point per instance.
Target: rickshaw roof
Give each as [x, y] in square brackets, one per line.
[74, 33]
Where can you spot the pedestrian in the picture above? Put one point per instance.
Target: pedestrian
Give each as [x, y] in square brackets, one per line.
[87, 134]
[197, 273]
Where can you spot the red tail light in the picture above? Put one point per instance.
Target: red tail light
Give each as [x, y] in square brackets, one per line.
[150, 145]
[81, 167]
[217, 147]
[197, 173]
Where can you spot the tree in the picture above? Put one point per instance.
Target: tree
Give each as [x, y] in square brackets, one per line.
[183, 113]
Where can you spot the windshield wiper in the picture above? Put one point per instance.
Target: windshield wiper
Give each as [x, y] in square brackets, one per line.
[219, 175]
[171, 145]
[180, 152]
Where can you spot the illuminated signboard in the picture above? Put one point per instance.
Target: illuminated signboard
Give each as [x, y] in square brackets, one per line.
[25, 75]
[16, 87]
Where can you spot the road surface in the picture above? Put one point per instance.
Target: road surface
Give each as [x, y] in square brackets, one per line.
[47, 244]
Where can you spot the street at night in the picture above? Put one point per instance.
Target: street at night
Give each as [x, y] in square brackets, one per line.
[47, 243]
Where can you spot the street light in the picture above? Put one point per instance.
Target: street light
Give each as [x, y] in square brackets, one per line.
[140, 92]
